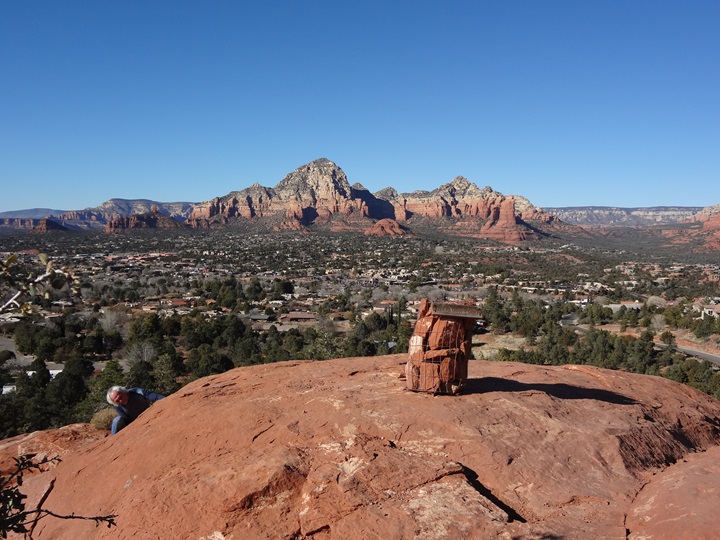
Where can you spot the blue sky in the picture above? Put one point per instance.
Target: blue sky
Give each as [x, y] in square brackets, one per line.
[613, 103]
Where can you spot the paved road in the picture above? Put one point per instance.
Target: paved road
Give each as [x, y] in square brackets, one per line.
[714, 358]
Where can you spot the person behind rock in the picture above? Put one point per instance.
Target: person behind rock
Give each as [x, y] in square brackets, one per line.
[129, 404]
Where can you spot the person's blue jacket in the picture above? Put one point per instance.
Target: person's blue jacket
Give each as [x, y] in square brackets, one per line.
[138, 402]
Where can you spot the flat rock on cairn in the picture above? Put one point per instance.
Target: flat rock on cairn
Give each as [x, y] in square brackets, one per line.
[340, 450]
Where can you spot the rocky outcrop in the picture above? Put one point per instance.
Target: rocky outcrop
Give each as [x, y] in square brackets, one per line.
[461, 208]
[387, 227]
[712, 223]
[709, 213]
[314, 192]
[98, 217]
[150, 220]
[47, 225]
[35, 225]
[678, 498]
[319, 193]
[18, 224]
[459, 198]
[248, 203]
[48, 444]
[340, 450]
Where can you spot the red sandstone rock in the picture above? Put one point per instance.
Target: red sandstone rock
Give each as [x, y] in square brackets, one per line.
[319, 193]
[680, 503]
[339, 450]
[48, 444]
[386, 227]
[712, 223]
[150, 220]
[47, 225]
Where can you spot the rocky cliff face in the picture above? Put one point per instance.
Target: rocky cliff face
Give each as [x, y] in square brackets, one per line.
[707, 213]
[340, 450]
[35, 225]
[47, 225]
[314, 192]
[607, 216]
[18, 224]
[150, 220]
[319, 193]
[98, 217]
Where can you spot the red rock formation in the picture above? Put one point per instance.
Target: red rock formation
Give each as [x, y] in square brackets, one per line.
[319, 193]
[18, 223]
[699, 240]
[386, 227]
[320, 185]
[707, 213]
[48, 444]
[152, 220]
[339, 450]
[712, 223]
[47, 225]
[679, 499]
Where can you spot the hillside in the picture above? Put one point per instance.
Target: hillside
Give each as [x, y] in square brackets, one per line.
[339, 450]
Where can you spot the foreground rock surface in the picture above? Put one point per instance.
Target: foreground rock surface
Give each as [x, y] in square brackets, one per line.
[339, 450]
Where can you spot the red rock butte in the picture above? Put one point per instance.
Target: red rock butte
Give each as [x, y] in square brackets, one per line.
[340, 450]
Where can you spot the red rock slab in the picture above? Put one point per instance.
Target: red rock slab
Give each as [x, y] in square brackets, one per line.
[340, 450]
[681, 503]
[48, 444]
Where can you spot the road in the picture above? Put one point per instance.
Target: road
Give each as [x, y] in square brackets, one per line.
[713, 358]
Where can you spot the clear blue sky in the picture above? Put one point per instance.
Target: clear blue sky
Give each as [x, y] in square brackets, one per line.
[573, 102]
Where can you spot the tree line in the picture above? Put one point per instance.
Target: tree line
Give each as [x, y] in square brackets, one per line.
[550, 343]
[162, 353]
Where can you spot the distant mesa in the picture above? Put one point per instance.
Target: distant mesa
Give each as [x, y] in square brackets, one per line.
[609, 216]
[29, 224]
[47, 224]
[31, 213]
[149, 220]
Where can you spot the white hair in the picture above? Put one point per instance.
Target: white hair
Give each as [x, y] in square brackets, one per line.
[115, 390]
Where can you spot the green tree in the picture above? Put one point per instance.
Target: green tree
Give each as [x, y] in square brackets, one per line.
[67, 389]
[204, 361]
[98, 386]
[140, 375]
[165, 373]
[495, 313]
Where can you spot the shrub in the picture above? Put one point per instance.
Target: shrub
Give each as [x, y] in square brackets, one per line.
[103, 418]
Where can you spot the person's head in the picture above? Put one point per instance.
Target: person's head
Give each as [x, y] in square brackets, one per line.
[117, 395]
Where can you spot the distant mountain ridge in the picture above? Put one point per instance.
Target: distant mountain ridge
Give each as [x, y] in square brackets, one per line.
[319, 196]
[606, 216]
[30, 213]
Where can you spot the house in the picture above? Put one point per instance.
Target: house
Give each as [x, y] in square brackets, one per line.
[298, 317]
